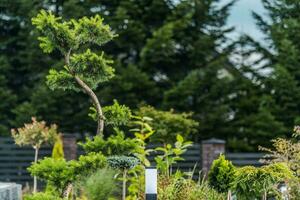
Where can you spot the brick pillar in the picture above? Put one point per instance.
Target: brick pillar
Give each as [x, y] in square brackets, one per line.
[70, 146]
[211, 149]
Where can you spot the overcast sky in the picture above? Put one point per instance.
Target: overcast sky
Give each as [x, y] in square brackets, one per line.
[242, 20]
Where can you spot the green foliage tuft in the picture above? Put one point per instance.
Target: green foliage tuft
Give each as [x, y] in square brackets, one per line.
[59, 173]
[87, 164]
[92, 31]
[61, 80]
[117, 114]
[170, 155]
[70, 34]
[116, 144]
[56, 34]
[41, 196]
[168, 124]
[56, 172]
[252, 183]
[122, 162]
[179, 188]
[221, 174]
[58, 148]
[100, 185]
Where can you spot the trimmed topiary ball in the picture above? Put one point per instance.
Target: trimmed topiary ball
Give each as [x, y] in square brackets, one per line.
[122, 162]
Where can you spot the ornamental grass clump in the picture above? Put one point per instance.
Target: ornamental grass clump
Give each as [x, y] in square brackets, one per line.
[123, 163]
[100, 185]
[177, 187]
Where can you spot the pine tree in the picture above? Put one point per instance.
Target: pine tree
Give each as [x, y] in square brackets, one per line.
[281, 56]
[81, 71]
[202, 84]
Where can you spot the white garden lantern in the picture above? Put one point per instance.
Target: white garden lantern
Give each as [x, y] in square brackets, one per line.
[151, 183]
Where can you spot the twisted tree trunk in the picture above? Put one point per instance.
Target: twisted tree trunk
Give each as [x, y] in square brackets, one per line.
[96, 102]
[91, 94]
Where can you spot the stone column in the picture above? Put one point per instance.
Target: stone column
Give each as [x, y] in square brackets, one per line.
[70, 146]
[211, 149]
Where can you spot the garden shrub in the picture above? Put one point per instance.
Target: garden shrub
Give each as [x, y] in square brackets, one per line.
[180, 188]
[59, 173]
[41, 196]
[168, 124]
[286, 151]
[294, 185]
[254, 183]
[170, 155]
[221, 174]
[116, 144]
[56, 172]
[100, 185]
[58, 148]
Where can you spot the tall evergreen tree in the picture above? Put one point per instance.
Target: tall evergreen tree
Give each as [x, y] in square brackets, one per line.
[281, 56]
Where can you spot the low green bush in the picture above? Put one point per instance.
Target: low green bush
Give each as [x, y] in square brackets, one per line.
[221, 174]
[41, 196]
[100, 185]
[116, 144]
[58, 148]
[180, 188]
[257, 182]
[59, 173]
[56, 172]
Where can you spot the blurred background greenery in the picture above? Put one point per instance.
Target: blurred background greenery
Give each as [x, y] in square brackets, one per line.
[240, 78]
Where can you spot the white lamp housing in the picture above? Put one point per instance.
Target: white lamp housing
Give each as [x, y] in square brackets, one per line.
[151, 183]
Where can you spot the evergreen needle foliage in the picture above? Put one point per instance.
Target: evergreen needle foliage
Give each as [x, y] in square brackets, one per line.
[84, 70]
[100, 185]
[221, 175]
[58, 148]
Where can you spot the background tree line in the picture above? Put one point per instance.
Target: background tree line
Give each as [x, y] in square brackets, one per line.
[168, 54]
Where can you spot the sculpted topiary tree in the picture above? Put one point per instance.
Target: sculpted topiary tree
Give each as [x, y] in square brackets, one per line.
[35, 134]
[83, 70]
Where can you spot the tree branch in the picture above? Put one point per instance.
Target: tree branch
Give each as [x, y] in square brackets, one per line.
[96, 102]
[89, 92]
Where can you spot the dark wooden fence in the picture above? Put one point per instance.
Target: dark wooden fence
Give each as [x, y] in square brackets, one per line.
[242, 159]
[191, 162]
[14, 160]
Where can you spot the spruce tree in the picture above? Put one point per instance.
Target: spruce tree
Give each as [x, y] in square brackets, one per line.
[280, 55]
